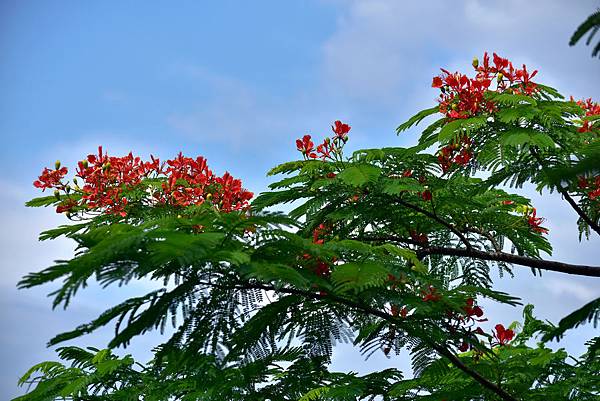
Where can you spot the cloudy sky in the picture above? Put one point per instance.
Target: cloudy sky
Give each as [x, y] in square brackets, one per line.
[237, 82]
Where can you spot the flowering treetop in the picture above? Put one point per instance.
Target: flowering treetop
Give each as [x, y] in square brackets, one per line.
[110, 184]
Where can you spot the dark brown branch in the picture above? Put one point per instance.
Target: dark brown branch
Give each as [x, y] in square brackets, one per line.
[435, 217]
[565, 193]
[440, 349]
[581, 270]
[580, 212]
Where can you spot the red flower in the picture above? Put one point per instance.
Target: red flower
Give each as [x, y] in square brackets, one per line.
[325, 149]
[426, 195]
[431, 295]
[66, 206]
[340, 129]
[437, 82]
[318, 233]
[322, 269]
[419, 237]
[306, 146]
[502, 335]
[50, 178]
[585, 127]
[472, 310]
[536, 222]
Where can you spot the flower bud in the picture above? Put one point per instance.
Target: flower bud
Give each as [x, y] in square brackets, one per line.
[84, 163]
[106, 166]
[208, 197]
[57, 194]
[500, 76]
[454, 106]
[74, 180]
[327, 141]
[475, 62]
[57, 164]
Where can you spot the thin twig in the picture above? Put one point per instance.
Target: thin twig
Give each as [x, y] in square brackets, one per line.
[435, 217]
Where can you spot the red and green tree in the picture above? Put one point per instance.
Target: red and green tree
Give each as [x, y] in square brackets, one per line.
[388, 249]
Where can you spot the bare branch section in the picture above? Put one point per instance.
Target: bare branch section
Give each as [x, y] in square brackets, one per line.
[591, 223]
[580, 270]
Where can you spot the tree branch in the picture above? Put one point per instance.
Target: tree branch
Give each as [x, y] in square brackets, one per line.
[577, 209]
[435, 217]
[581, 270]
[440, 349]
[591, 223]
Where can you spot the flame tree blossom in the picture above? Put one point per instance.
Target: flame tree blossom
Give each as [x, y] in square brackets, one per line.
[109, 184]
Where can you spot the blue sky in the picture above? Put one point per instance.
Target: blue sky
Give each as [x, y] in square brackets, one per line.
[237, 82]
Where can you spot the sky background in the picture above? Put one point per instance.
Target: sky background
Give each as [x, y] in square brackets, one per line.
[238, 82]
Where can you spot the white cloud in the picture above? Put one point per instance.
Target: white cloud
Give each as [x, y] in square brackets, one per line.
[569, 287]
[383, 50]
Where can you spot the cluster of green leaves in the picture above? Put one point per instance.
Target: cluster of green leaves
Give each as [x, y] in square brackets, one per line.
[591, 25]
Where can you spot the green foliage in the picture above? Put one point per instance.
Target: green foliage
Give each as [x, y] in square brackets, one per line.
[385, 249]
[591, 25]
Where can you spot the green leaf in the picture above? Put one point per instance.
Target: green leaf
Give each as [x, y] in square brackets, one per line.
[526, 136]
[417, 118]
[43, 201]
[395, 186]
[587, 313]
[357, 277]
[456, 128]
[359, 175]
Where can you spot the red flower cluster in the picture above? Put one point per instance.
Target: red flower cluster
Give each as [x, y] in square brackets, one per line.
[191, 182]
[472, 310]
[431, 295]
[319, 267]
[463, 97]
[329, 148]
[472, 314]
[106, 179]
[591, 109]
[591, 186]
[536, 222]
[502, 335]
[456, 153]
[111, 183]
